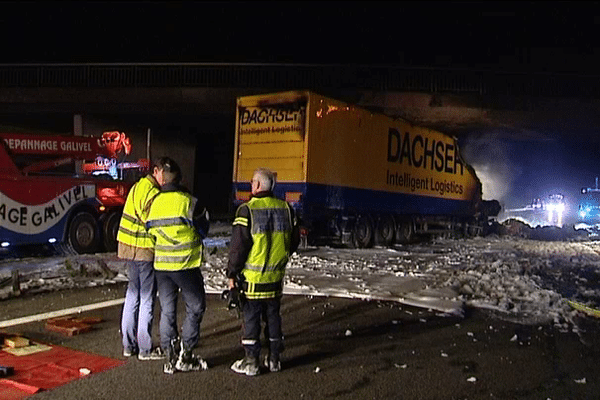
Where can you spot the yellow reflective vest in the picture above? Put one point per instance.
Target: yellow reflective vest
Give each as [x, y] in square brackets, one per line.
[132, 231]
[271, 229]
[170, 222]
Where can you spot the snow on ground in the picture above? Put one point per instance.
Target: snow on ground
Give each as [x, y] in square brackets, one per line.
[516, 279]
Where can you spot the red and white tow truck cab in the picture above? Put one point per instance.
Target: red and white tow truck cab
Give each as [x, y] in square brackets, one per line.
[44, 201]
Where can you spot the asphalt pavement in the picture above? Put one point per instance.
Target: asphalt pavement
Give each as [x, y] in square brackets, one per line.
[335, 349]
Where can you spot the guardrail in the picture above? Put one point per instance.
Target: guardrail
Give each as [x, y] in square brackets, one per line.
[299, 76]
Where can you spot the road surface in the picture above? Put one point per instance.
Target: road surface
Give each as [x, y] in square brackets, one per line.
[335, 349]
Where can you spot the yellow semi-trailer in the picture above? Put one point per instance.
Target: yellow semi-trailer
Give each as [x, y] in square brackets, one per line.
[355, 176]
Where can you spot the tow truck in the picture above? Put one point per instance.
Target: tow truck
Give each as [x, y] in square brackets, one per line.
[64, 191]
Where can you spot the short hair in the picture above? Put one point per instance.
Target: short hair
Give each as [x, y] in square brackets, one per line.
[171, 170]
[266, 177]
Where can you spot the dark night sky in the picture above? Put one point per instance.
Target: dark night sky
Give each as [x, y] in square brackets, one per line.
[558, 36]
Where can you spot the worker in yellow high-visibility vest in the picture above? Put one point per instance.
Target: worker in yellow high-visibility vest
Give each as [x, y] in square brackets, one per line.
[264, 235]
[178, 225]
[137, 247]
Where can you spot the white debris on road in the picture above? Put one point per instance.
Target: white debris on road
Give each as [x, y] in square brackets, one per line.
[520, 280]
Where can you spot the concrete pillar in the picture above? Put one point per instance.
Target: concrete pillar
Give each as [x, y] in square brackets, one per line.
[78, 131]
[78, 125]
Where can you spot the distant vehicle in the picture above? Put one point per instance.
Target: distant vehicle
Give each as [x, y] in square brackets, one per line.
[555, 209]
[547, 211]
[356, 177]
[44, 201]
[589, 210]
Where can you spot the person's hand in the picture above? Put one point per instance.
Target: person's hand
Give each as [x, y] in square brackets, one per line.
[231, 283]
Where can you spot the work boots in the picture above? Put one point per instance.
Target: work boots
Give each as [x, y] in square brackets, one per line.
[155, 354]
[273, 363]
[172, 356]
[247, 365]
[187, 361]
[180, 358]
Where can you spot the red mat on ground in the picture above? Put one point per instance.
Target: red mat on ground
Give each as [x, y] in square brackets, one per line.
[48, 369]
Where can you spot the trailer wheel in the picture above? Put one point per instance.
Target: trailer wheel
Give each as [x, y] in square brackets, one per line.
[110, 230]
[404, 232]
[474, 230]
[386, 229]
[363, 231]
[83, 234]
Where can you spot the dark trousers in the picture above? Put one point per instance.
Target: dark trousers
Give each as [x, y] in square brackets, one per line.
[191, 284]
[254, 311]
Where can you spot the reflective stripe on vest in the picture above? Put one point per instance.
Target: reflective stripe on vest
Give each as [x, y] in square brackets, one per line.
[271, 230]
[132, 231]
[170, 222]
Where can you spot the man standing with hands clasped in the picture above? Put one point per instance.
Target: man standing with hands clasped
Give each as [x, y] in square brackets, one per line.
[264, 235]
[178, 224]
[137, 247]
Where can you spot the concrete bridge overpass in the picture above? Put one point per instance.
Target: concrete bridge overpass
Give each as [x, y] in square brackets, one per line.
[189, 108]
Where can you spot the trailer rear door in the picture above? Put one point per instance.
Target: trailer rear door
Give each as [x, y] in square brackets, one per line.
[270, 136]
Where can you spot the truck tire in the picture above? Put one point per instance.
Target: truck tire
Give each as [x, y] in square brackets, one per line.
[474, 230]
[64, 249]
[385, 231]
[404, 232]
[110, 228]
[363, 232]
[83, 234]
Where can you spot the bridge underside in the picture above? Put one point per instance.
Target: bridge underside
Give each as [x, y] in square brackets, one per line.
[196, 124]
[518, 118]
